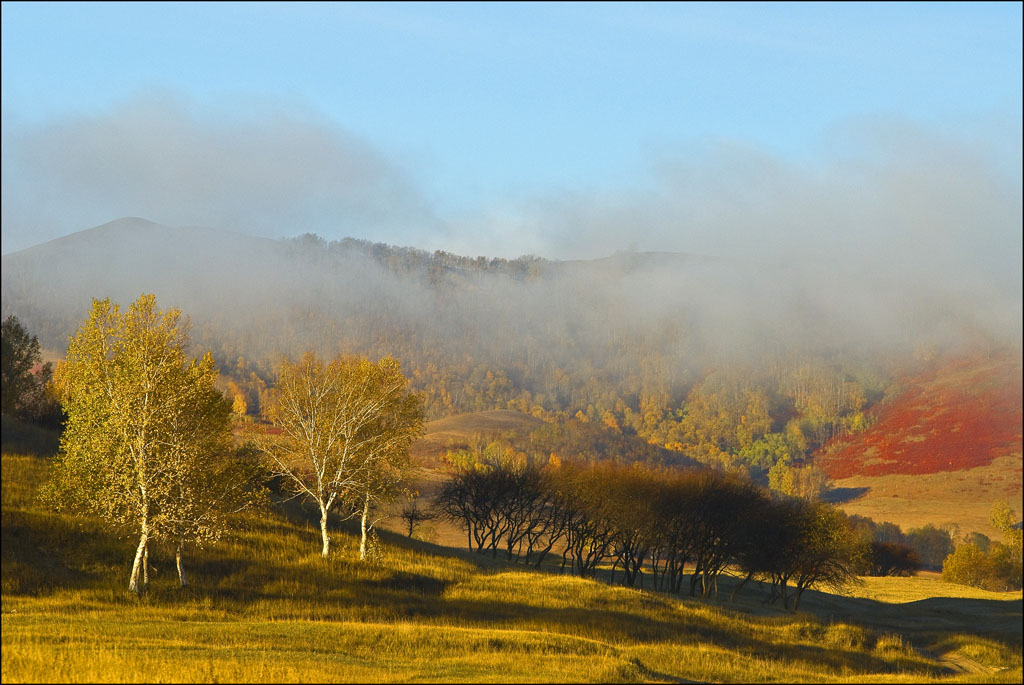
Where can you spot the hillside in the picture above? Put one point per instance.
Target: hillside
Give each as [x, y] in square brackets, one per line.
[476, 333]
[630, 334]
[454, 432]
[942, 451]
[960, 414]
[699, 359]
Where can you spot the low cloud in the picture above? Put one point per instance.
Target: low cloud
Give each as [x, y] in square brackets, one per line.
[884, 213]
[260, 168]
[886, 201]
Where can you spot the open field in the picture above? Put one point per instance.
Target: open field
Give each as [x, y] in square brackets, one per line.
[961, 497]
[443, 434]
[265, 607]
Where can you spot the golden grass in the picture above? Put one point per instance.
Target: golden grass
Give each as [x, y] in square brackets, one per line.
[265, 607]
[923, 586]
[462, 428]
[964, 498]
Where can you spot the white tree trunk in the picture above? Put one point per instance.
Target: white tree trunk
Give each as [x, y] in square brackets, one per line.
[145, 566]
[366, 515]
[181, 567]
[136, 584]
[323, 533]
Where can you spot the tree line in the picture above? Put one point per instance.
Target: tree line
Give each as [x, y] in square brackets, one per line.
[665, 529]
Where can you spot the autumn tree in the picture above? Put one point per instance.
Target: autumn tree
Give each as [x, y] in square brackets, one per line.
[932, 545]
[630, 500]
[767, 540]
[391, 466]
[214, 481]
[892, 559]
[346, 427]
[829, 552]
[413, 514]
[24, 387]
[809, 482]
[1005, 519]
[146, 430]
[967, 565]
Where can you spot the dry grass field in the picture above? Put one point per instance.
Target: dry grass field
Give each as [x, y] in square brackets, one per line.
[964, 498]
[450, 432]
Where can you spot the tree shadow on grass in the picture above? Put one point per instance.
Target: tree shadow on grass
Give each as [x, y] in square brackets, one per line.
[45, 552]
[843, 495]
[614, 628]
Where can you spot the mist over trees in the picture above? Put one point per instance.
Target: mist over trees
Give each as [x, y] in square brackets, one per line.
[728, 362]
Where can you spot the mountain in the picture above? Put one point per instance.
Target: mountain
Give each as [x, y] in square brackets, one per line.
[50, 286]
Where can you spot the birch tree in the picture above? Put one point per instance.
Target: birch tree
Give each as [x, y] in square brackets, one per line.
[145, 427]
[346, 427]
[212, 482]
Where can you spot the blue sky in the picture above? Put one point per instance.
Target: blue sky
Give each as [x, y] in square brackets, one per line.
[500, 129]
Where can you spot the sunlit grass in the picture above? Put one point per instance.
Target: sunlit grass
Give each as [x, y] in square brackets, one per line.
[264, 606]
[901, 590]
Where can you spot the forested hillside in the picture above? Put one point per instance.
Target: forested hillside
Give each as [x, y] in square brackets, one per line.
[724, 361]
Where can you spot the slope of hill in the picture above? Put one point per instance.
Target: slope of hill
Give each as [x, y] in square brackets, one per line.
[959, 414]
[513, 329]
[621, 341]
[453, 432]
[942, 452]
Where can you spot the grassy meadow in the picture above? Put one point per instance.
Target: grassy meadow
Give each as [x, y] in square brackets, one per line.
[263, 606]
[963, 498]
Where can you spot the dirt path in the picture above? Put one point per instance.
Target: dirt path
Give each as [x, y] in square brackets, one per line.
[957, 661]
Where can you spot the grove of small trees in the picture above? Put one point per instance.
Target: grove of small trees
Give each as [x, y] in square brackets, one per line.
[650, 525]
[148, 444]
[990, 565]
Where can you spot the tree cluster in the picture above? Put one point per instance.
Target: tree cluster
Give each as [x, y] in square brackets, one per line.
[984, 564]
[25, 391]
[650, 524]
[147, 442]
